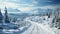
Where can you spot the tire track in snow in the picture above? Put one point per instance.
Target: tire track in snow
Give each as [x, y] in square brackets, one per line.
[35, 31]
[32, 30]
[38, 30]
[29, 31]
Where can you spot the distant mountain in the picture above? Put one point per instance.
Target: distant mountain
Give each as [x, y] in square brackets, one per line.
[12, 10]
[18, 13]
[40, 11]
[33, 12]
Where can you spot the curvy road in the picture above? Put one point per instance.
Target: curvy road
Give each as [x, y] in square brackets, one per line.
[36, 28]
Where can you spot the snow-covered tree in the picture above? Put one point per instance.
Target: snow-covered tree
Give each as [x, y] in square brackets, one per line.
[14, 19]
[6, 18]
[1, 17]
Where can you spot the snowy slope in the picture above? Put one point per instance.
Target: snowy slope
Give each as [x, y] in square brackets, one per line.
[37, 28]
[34, 26]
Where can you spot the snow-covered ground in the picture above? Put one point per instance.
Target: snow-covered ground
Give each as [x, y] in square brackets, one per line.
[35, 25]
[22, 27]
[40, 28]
[37, 28]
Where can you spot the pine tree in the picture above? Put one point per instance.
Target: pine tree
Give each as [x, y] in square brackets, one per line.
[6, 16]
[1, 17]
[14, 20]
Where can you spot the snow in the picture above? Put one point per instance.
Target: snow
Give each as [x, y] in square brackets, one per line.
[10, 31]
[35, 25]
[41, 28]
[38, 28]
[19, 30]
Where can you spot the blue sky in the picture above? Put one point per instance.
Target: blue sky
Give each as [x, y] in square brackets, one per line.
[28, 5]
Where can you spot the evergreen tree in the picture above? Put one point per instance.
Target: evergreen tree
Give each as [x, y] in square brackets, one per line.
[14, 20]
[6, 16]
[49, 15]
[1, 17]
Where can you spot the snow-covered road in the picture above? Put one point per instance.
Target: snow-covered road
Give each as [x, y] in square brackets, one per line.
[34, 29]
[37, 29]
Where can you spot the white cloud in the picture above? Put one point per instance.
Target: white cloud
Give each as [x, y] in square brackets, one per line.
[25, 9]
[35, 2]
[11, 0]
[22, 7]
[0, 0]
[10, 4]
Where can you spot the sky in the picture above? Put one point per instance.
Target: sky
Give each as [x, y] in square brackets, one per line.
[28, 5]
